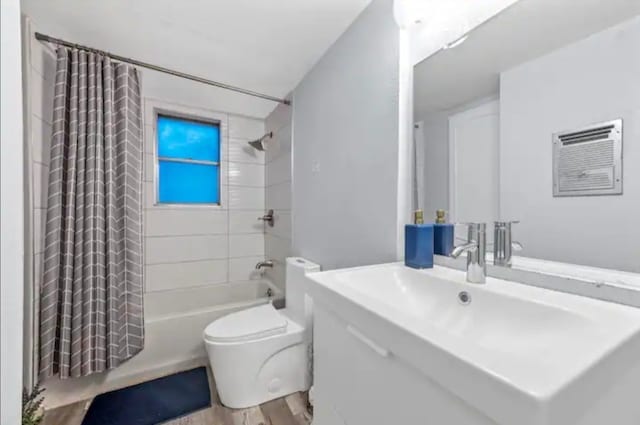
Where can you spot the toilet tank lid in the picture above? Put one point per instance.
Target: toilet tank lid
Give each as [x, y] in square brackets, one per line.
[253, 323]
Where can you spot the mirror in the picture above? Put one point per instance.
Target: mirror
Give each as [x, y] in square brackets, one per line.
[535, 117]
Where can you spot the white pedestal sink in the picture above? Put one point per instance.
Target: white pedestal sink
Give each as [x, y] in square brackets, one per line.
[394, 345]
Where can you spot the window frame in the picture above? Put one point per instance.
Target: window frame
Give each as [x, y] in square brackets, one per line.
[212, 119]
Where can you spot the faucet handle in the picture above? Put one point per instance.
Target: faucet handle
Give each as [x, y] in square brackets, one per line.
[471, 246]
[506, 223]
[267, 218]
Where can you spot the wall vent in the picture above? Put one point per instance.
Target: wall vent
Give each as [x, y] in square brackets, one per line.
[588, 161]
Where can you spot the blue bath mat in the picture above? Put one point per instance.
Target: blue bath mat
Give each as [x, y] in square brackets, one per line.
[152, 402]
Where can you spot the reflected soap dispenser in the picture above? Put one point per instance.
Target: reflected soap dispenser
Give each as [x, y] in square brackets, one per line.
[418, 243]
[443, 234]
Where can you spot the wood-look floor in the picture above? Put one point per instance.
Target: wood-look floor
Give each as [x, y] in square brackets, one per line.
[290, 410]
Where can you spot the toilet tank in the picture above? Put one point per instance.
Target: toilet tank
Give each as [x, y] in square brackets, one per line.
[296, 284]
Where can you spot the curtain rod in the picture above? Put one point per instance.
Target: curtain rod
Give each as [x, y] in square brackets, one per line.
[43, 37]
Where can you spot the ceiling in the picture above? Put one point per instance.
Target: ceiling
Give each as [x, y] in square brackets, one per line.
[265, 46]
[434, 23]
[524, 31]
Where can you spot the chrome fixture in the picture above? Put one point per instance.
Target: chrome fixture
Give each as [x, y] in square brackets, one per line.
[264, 264]
[476, 249]
[503, 245]
[267, 218]
[260, 144]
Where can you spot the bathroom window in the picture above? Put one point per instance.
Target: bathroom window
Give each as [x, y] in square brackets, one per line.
[188, 161]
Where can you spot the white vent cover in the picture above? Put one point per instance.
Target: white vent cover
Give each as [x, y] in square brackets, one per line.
[588, 161]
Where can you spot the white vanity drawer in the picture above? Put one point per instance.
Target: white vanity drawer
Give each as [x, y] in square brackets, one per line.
[367, 384]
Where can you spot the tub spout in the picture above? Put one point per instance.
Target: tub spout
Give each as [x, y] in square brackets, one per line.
[267, 263]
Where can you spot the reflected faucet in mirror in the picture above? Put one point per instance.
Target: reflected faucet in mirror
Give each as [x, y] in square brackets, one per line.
[476, 249]
[503, 245]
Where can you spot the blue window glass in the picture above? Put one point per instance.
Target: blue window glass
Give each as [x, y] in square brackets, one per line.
[188, 161]
[184, 183]
[187, 139]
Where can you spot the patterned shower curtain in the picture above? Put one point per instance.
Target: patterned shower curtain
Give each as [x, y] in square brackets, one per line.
[91, 311]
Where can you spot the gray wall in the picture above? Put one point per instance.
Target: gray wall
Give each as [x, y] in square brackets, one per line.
[345, 147]
[593, 80]
[436, 163]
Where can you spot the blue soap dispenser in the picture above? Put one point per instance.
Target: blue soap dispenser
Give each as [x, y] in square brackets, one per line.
[443, 234]
[418, 243]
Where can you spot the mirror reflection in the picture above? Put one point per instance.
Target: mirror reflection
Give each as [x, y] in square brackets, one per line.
[534, 122]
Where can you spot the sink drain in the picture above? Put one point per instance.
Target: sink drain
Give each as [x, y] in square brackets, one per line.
[464, 298]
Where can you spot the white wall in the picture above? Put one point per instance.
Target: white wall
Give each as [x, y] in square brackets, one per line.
[278, 192]
[196, 258]
[596, 79]
[11, 215]
[345, 147]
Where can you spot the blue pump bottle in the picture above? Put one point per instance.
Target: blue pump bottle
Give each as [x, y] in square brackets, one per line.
[418, 243]
[443, 234]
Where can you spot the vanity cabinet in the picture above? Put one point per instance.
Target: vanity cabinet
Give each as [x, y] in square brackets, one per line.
[395, 345]
[360, 380]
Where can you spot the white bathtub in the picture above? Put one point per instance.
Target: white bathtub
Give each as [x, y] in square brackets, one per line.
[174, 322]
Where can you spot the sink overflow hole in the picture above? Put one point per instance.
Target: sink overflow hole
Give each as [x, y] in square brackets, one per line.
[464, 298]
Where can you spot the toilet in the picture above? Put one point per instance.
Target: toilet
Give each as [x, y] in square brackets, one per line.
[261, 353]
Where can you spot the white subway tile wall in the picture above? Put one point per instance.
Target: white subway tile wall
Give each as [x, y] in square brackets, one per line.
[168, 276]
[246, 198]
[39, 62]
[189, 247]
[246, 245]
[244, 268]
[183, 222]
[278, 192]
[178, 249]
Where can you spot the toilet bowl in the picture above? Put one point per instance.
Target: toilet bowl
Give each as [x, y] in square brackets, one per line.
[261, 353]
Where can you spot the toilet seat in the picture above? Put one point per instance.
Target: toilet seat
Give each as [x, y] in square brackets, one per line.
[247, 325]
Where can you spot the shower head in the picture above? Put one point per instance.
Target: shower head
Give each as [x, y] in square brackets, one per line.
[260, 144]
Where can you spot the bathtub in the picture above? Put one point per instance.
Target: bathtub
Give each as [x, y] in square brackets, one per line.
[174, 322]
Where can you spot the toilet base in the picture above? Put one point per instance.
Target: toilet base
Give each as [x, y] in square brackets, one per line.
[250, 373]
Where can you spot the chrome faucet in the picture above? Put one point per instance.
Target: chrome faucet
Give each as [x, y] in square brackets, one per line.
[476, 249]
[503, 245]
[267, 263]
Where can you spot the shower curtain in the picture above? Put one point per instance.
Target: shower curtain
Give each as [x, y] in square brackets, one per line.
[91, 311]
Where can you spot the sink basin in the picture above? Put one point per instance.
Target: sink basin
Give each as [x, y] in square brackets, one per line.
[549, 351]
